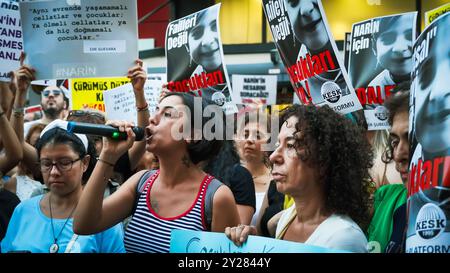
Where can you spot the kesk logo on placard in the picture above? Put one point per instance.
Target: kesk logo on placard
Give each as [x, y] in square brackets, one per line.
[218, 98]
[430, 221]
[381, 113]
[331, 92]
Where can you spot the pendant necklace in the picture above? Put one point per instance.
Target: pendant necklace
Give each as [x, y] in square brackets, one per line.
[55, 247]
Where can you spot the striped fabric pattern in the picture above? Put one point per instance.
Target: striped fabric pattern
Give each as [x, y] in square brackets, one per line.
[150, 233]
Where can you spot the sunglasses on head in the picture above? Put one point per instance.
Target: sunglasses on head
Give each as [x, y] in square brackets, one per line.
[46, 93]
[83, 113]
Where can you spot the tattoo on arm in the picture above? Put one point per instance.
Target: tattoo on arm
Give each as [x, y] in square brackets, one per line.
[186, 161]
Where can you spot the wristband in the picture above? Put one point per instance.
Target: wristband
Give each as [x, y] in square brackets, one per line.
[140, 109]
[106, 162]
[19, 110]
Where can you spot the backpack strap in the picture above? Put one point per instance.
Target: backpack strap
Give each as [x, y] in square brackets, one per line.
[210, 191]
[141, 187]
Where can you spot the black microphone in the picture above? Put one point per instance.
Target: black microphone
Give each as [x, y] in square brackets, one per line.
[103, 130]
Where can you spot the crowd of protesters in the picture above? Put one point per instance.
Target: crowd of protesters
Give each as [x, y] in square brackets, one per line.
[327, 181]
[81, 193]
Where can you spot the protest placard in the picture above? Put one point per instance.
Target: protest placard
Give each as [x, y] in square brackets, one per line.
[347, 47]
[195, 60]
[309, 54]
[428, 228]
[88, 93]
[255, 89]
[431, 15]
[380, 59]
[120, 102]
[96, 38]
[10, 38]
[189, 241]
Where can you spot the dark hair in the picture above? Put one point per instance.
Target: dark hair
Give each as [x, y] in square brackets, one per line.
[341, 152]
[66, 100]
[385, 24]
[395, 104]
[220, 165]
[61, 136]
[202, 149]
[89, 116]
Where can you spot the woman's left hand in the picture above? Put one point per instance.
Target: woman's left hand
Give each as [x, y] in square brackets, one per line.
[138, 76]
[239, 234]
[112, 149]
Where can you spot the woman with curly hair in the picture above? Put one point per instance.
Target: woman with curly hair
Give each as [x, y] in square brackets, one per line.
[322, 160]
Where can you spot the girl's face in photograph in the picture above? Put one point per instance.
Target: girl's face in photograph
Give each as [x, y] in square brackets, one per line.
[307, 23]
[394, 47]
[204, 43]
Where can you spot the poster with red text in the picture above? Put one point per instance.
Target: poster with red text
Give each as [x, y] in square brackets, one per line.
[429, 171]
[381, 59]
[195, 61]
[303, 39]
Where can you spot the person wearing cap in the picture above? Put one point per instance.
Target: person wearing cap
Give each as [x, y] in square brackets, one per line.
[43, 224]
[53, 103]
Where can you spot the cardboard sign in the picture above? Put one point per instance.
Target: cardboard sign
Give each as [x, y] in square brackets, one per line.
[310, 54]
[429, 171]
[88, 93]
[433, 14]
[120, 102]
[188, 241]
[255, 89]
[195, 61]
[95, 38]
[380, 59]
[10, 38]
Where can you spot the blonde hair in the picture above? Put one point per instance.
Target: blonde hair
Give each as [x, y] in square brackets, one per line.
[380, 141]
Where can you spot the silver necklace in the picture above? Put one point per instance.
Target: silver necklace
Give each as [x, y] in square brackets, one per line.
[55, 247]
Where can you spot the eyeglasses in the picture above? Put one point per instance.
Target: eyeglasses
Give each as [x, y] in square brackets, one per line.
[62, 165]
[46, 93]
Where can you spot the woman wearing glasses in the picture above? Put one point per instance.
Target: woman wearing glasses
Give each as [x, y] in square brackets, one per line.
[43, 224]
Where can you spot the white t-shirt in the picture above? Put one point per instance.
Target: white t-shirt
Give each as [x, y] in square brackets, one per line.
[28, 125]
[259, 200]
[336, 232]
[25, 186]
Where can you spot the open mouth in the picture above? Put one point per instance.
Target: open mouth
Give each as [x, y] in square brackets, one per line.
[148, 134]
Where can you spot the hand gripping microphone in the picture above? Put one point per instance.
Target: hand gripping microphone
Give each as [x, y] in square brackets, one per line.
[103, 130]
